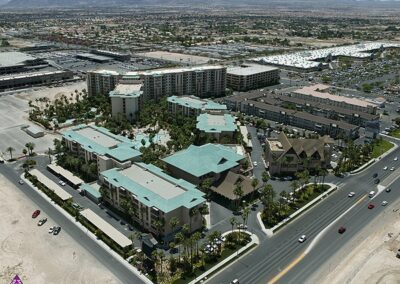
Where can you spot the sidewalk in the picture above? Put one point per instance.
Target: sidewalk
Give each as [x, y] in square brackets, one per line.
[254, 240]
[90, 234]
[270, 232]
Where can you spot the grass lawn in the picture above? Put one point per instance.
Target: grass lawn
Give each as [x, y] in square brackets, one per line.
[380, 147]
[395, 133]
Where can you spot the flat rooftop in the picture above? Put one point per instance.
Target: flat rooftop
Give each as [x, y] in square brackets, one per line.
[216, 123]
[250, 69]
[98, 137]
[94, 57]
[14, 58]
[320, 91]
[105, 72]
[154, 188]
[31, 74]
[177, 57]
[127, 90]
[58, 190]
[196, 103]
[176, 70]
[107, 228]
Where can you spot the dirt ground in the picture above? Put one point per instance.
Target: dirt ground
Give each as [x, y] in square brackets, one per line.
[373, 259]
[36, 256]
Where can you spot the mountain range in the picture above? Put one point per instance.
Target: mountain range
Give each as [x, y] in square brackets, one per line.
[107, 3]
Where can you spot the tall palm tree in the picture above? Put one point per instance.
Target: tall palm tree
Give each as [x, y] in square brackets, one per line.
[245, 215]
[10, 150]
[30, 146]
[254, 184]
[174, 222]
[192, 213]
[238, 192]
[179, 239]
[233, 222]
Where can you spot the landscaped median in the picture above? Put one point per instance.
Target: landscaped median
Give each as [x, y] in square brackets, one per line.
[304, 198]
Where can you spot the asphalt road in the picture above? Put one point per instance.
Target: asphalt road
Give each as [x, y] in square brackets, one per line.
[277, 252]
[119, 270]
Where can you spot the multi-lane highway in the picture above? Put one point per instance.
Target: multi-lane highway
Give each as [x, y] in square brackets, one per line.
[281, 258]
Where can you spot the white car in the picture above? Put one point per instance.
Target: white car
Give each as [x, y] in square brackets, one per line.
[395, 159]
[384, 203]
[51, 230]
[242, 226]
[255, 163]
[385, 168]
[62, 183]
[302, 239]
[392, 169]
[21, 181]
[371, 193]
[351, 194]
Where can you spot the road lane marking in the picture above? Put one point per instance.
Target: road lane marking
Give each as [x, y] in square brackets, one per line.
[287, 268]
[315, 240]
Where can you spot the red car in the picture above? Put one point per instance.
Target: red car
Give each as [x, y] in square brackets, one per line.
[342, 230]
[35, 214]
[371, 206]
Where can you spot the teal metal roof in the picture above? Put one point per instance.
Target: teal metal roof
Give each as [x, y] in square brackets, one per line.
[135, 180]
[196, 103]
[215, 123]
[92, 191]
[201, 160]
[107, 143]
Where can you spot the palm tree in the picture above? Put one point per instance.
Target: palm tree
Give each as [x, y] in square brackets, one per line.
[294, 185]
[24, 152]
[245, 215]
[254, 184]
[174, 222]
[323, 173]
[30, 146]
[192, 212]
[265, 177]
[179, 239]
[238, 192]
[10, 150]
[233, 222]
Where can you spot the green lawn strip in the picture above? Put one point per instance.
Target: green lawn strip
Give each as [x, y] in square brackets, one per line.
[395, 133]
[380, 147]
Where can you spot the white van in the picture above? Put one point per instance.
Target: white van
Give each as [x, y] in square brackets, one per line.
[371, 193]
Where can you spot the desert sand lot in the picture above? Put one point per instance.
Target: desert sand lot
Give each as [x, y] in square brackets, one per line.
[36, 256]
[14, 114]
[372, 259]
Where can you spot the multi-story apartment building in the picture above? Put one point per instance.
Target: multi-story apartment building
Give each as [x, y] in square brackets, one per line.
[126, 100]
[200, 81]
[192, 106]
[251, 76]
[284, 155]
[221, 126]
[154, 197]
[101, 82]
[318, 93]
[100, 145]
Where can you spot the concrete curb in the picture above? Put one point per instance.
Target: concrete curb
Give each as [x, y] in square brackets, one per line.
[254, 240]
[90, 234]
[372, 161]
[270, 232]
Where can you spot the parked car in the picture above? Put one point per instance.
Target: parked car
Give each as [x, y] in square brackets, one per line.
[51, 229]
[35, 213]
[302, 239]
[21, 181]
[62, 183]
[376, 181]
[57, 230]
[42, 221]
[342, 230]
[235, 281]
[371, 206]
[392, 169]
[351, 194]
[375, 175]
[385, 168]
[371, 193]
[242, 226]
[384, 203]
[395, 159]
[388, 189]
